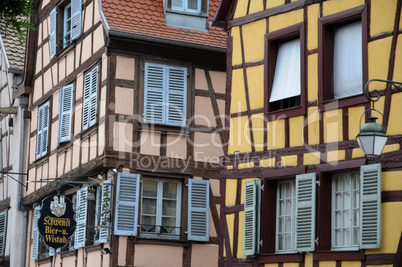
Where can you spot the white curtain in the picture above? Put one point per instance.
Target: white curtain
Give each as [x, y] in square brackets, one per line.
[348, 64]
[287, 71]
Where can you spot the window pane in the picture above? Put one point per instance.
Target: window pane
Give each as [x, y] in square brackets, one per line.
[149, 206]
[169, 225]
[177, 4]
[148, 224]
[149, 188]
[169, 208]
[169, 190]
[193, 4]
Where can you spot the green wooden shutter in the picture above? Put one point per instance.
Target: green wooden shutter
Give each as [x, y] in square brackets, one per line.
[3, 225]
[252, 202]
[75, 18]
[305, 211]
[370, 206]
[35, 235]
[81, 218]
[105, 211]
[53, 33]
[154, 93]
[65, 114]
[198, 210]
[176, 96]
[127, 198]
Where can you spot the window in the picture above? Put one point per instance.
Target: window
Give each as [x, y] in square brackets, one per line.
[90, 98]
[287, 212]
[68, 18]
[285, 217]
[65, 113]
[349, 216]
[345, 210]
[342, 57]
[160, 207]
[187, 14]
[42, 131]
[285, 71]
[3, 228]
[165, 94]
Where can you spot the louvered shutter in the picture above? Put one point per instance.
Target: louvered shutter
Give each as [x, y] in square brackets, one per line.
[81, 212]
[90, 98]
[3, 224]
[66, 106]
[176, 96]
[35, 236]
[305, 211]
[42, 131]
[75, 18]
[198, 210]
[127, 197]
[252, 204]
[154, 93]
[105, 211]
[53, 33]
[370, 206]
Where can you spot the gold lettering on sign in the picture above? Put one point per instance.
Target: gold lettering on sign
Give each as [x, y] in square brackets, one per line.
[52, 221]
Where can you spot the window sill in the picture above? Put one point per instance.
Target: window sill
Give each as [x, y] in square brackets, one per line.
[91, 248]
[188, 13]
[89, 131]
[339, 255]
[163, 127]
[275, 258]
[332, 104]
[161, 237]
[68, 253]
[64, 50]
[285, 113]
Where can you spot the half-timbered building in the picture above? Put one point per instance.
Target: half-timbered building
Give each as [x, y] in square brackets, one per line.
[297, 189]
[126, 104]
[12, 145]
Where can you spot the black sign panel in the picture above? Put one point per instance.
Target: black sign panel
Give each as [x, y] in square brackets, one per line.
[56, 223]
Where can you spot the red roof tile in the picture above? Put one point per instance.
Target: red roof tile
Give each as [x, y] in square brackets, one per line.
[147, 17]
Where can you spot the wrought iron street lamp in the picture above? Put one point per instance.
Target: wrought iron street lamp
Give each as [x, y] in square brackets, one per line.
[372, 136]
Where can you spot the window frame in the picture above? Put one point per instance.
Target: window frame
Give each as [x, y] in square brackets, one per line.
[325, 56]
[159, 214]
[272, 41]
[202, 9]
[66, 32]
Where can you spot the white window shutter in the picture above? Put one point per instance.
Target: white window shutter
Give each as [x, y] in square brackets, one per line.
[252, 200]
[90, 98]
[177, 96]
[198, 210]
[75, 18]
[65, 114]
[154, 93]
[370, 206]
[35, 236]
[105, 211]
[42, 130]
[53, 33]
[81, 212]
[3, 225]
[127, 197]
[305, 211]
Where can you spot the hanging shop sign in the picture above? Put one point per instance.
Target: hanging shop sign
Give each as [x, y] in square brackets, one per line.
[56, 223]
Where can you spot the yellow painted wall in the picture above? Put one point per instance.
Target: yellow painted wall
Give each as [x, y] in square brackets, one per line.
[391, 181]
[285, 20]
[335, 6]
[253, 37]
[382, 17]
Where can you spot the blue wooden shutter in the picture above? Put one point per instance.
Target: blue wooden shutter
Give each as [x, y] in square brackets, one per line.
[53, 33]
[127, 197]
[305, 211]
[35, 236]
[66, 106]
[75, 18]
[105, 211]
[81, 213]
[3, 225]
[198, 210]
[90, 98]
[370, 206]
[176, 96]
[42, 130]
[252, 200]
[154, 93]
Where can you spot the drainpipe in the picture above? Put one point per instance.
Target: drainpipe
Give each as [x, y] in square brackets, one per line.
[23, 102]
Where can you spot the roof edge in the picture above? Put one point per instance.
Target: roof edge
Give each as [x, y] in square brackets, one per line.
[103, 18]
[141, 37]
[4, 52]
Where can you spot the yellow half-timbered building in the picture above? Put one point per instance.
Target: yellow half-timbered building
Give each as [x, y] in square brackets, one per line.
[297, 189]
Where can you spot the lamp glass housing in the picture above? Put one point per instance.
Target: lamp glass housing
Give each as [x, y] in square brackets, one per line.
[372, 138]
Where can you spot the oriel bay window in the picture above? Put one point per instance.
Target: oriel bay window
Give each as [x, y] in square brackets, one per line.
[158, 211]
[285, 71]
[342, 57]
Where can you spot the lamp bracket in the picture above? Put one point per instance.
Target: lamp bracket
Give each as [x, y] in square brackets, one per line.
[392, 85]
